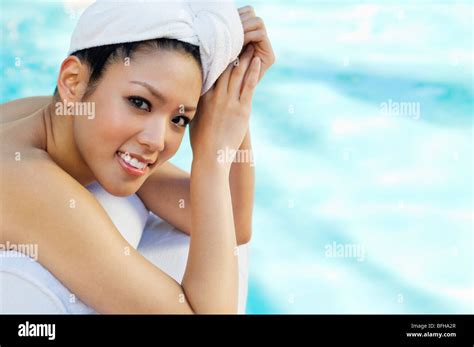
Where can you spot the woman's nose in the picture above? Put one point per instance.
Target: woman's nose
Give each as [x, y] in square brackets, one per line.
[154, 134]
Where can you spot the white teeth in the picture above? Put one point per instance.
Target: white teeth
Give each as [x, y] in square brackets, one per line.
[132, 161]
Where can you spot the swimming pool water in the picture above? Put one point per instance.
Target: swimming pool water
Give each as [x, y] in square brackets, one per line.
[362, 134]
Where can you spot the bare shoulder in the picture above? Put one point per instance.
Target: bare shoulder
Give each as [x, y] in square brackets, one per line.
[20, 108]
[29, 179]
[77, 242]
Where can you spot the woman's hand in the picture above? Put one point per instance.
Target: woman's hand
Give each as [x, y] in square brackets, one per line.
[222, 117]
[256, 34]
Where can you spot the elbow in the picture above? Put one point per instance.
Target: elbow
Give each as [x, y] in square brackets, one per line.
[243, 235]
[219, 309]
[227, 304]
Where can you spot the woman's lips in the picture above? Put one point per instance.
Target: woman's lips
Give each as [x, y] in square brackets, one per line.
[129, 168]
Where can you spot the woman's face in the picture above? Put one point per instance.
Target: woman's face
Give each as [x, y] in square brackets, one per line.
[142, 107]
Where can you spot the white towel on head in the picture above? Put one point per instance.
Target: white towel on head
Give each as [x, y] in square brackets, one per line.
[213, 26]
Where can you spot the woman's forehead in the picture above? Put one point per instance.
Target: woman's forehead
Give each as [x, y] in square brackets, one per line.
[165, 73]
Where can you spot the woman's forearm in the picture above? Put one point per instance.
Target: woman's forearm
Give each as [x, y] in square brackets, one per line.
[242, 186]
[167, 194]
[211, 277]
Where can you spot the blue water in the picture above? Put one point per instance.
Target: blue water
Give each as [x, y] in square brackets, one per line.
[333, 168]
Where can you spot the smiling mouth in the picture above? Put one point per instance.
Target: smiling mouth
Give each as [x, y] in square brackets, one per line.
[134, 162]
[131, 165]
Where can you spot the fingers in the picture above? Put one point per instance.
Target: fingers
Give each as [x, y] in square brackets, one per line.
[255, 31]
[253, 23]
[250, 82]
[246, 16]
[237, 77]
[249, 20]
[254, 28]
[246, 9]
[222, 82]
[255, 36]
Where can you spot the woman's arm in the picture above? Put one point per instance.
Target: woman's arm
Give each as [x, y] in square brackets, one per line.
[242, 186]
[79, 244]
[221, 122]
[212, 270]
[166, 191]
[167, 194]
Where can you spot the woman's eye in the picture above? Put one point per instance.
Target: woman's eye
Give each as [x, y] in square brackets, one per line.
[181, 121]
[140, 103]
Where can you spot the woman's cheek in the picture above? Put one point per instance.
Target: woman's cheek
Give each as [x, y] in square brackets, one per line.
[114, 125]
[172, 144]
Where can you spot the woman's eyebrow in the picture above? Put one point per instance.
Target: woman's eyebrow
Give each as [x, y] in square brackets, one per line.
[158, 95]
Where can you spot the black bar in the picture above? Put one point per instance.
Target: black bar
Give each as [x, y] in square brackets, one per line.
[137, 330]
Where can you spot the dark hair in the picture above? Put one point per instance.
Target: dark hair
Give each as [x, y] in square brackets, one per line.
[98, 58]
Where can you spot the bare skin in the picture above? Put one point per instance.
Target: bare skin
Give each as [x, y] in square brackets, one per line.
[48, 159]
[166, 192]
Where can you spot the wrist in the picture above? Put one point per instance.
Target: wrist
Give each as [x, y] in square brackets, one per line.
[246, 141]
[210, 164]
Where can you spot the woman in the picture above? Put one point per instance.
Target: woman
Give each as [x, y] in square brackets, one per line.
[139, 116]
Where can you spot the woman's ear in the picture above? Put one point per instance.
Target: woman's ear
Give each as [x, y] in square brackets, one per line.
[72, 80]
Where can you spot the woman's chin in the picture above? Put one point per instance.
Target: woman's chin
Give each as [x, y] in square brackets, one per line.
[120, 189]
